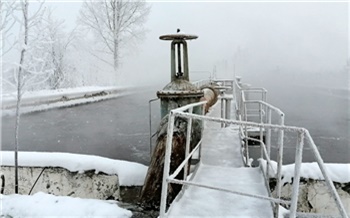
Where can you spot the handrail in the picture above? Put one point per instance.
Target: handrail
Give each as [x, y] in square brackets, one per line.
[266, 104]
[200, 83]
[303, 136]
[151, 135]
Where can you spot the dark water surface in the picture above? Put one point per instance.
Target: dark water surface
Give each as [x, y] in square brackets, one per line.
[119, 128]
[116, 128]
[324, 112]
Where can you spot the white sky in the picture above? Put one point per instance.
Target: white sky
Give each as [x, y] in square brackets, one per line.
[256, 36]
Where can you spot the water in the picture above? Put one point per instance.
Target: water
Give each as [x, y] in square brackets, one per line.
[119, 128]
[324, 112]
[116, 128]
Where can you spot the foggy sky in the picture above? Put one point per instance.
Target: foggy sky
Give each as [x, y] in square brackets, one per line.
[257, 37]
[253, 38]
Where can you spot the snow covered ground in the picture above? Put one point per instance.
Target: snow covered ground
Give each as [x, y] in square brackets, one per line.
[337, 172]
[48, 99]
[46, 205]
[129, 173]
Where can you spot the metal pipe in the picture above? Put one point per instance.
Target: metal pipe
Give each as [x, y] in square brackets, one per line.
[279, 161]
[150, 124]
[268, 139]
[188, 140]
[202, 132]
[296, 180]
[167, 158]
[228, 109]
[222, 111]
[173, 61]
[176, 181]
[261, 130]
[179, 58]
[210, 95]
[264, 103]
[186, 72]
[179, 168]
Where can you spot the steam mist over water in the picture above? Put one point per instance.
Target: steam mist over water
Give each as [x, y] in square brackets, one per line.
[298, 51]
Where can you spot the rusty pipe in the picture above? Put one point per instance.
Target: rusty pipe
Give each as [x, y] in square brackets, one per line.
[210, 95]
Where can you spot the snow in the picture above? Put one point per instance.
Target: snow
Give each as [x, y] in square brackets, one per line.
[205, 202]
[46, 205]
[59, 104]
[58, 92]
[129, 173]
[336, 171]
[282, 212]
[221, 166]
[48, 99]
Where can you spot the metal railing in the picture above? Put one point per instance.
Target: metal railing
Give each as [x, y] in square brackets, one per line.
[201, 83]
[151, 133]
[302, 136]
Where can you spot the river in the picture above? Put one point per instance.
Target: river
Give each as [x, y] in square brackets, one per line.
[119, 128]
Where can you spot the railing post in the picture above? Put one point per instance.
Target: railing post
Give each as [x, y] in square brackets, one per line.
[268, 139]
[169, 140]
[243, 110]
[150, 123]
[188, 140]
[296, 180]
[261, 131]
[228, 109]
[202, 131]
[222, 111]
[150, 127]
[279, 161]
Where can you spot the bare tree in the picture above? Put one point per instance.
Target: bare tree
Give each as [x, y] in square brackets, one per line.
[115, 23]
[59, 44]
[19, 86]
[28, 68]
[7, 21]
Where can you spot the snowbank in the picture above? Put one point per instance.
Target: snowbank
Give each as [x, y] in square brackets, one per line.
[45, 205]
[337, 172]
[73, 92]
[129, 173]
[48, 99]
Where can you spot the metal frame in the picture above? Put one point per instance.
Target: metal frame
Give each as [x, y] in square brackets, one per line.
[151, 135]
[241, 103]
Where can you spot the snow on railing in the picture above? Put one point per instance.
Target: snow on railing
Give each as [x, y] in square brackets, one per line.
[201, 83]
[303, 136]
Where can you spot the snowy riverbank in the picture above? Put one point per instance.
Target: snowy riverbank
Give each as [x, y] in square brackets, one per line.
[43, 204]
[48, 99]
[129, 173]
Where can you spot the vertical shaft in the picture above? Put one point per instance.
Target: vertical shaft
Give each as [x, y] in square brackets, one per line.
[179, 58]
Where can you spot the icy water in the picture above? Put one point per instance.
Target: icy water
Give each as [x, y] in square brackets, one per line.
[119, 128]
[116, 128]
[324, 112]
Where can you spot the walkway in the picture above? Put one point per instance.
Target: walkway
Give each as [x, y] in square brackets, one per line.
[222, 166]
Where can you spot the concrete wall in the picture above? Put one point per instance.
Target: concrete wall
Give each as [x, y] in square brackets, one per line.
[59, 181]
[314, 196]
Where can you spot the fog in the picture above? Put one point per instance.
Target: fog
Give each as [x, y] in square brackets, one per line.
[298, 51]
[259, 41]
